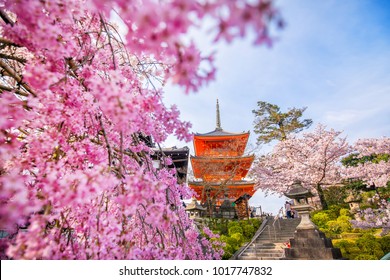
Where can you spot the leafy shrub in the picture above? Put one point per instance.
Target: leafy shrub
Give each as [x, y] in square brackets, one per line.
[385, 243]
[231, 244]
[367, 247]
[344, 223]
[333, 211]
[235, 229]
[365, 257]
[234, 233]
[345, 212]
[349, 235]
[233, 224]
[320, 219]
[370, 245]
[255, 223]
[238, 237]
[249, 231]
[341, 224]
[348, 249]
[333, 227]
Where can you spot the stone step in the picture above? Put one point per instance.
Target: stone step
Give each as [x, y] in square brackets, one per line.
[263, 256]
[259, 247]
[262, 249]
[258, 258]
[271, 243]
[277, 235]
[263, 253]
[280, 239]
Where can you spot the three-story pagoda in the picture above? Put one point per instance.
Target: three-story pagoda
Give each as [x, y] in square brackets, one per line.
[220, 167]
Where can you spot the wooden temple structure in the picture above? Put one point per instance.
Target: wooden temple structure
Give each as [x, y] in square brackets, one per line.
[179, 157]
[220, 168]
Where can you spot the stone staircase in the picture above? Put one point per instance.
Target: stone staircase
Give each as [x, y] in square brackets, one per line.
[270, 244]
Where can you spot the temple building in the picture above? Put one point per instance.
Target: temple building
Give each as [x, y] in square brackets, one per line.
[220, 167]
[179, 157]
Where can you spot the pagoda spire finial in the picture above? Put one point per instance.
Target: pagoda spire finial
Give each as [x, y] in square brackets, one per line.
[218, 118]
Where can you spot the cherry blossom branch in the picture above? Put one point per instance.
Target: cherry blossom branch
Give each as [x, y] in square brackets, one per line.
[6, 18]
[108, 146]
[7, 42]
[16, 91]
[11, 57]
[103, 22]
[17, 77]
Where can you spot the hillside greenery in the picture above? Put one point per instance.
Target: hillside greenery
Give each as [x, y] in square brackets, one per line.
[335, 222]
[233, 233]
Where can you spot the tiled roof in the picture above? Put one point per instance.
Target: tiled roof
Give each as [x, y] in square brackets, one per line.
[219, 132]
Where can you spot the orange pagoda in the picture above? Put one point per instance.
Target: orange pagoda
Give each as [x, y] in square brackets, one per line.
[220, 168]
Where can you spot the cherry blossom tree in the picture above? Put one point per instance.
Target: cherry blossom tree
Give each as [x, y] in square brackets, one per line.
[371, 164]
[371, 161]
[76, 179]
[313, 159]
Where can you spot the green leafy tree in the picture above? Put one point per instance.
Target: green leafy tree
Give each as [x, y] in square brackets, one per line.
[336, 195]
[355, 159]
[272, 124]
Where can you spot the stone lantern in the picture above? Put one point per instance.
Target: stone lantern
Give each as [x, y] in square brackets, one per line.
[309, 243]
[194, 209]
[300, 196]
[353, 202]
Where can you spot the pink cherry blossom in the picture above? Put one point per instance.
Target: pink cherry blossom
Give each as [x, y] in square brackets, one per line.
[313, 159]
[76, 179]
[372, 173]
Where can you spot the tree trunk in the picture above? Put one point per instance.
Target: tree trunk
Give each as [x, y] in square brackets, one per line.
[321, 195]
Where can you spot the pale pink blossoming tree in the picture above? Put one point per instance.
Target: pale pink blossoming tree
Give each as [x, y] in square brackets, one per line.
[76, 95]
[373, 173]
[312, 158]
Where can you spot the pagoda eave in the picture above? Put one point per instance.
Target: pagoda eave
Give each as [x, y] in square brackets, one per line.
[217, 190]
[228, 167]
[219, 133]
[222, 159]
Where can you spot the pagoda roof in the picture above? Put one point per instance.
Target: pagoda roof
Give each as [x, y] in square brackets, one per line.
[228, 158]
[218, 190]
[220, 132]
[223, 183]
[172, 150]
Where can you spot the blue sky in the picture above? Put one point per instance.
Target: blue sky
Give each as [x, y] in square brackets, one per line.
[333, 57]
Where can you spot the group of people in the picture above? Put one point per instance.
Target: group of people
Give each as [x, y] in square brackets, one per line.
[290, 212]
